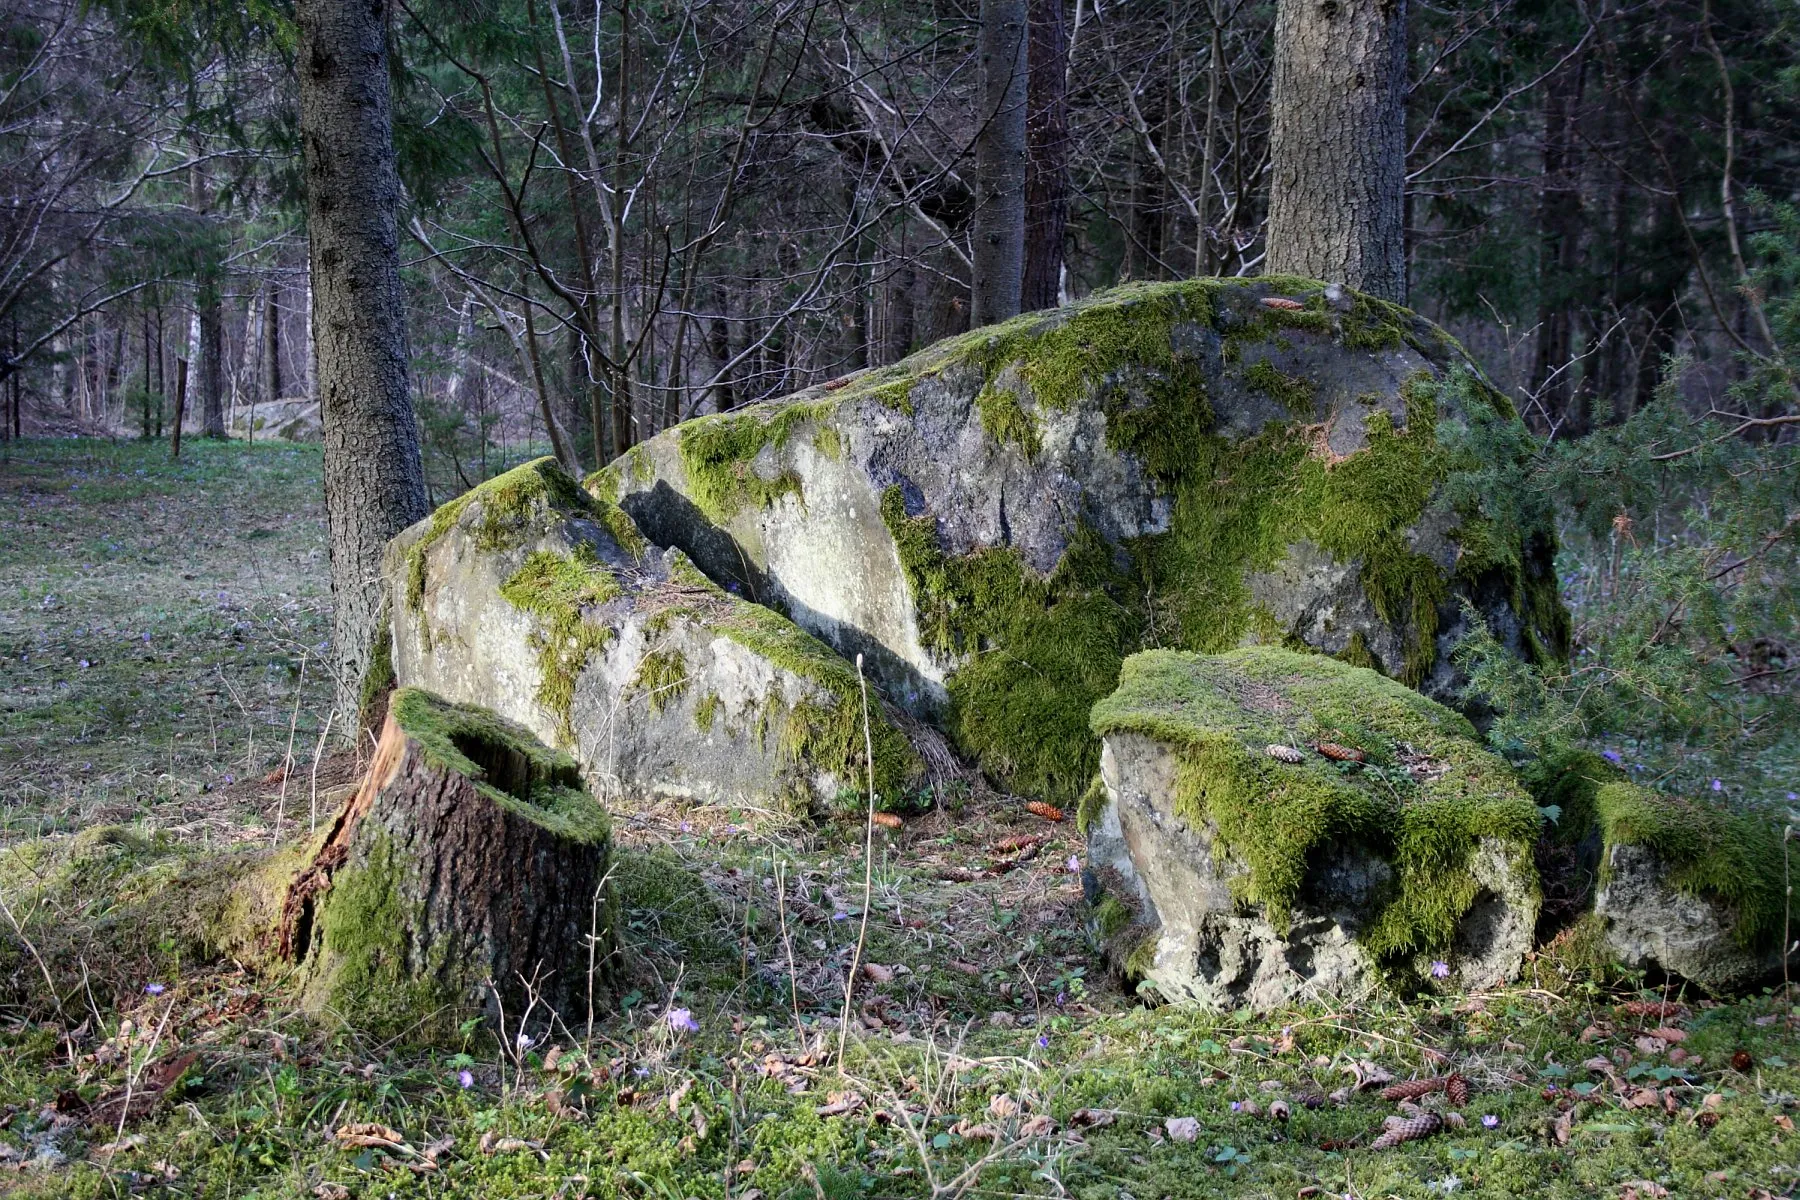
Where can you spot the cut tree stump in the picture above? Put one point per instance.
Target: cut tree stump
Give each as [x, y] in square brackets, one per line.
[469, 870]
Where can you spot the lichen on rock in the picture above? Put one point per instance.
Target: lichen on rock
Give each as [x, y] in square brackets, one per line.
[1418, 851]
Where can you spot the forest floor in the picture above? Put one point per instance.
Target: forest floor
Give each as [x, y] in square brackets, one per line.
[160, 650]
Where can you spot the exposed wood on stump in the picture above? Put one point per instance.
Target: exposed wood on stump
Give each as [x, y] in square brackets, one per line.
[469, 859]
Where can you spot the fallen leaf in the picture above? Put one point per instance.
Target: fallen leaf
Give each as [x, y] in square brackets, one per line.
[1182, 1129]
[332, 1191]
[1669, 1033]
[838, 1103]
[1784, 1123]
[118, 1147]
[1563, 1128]
[369, 1134]
[1093, 1118]
[502, 1145]
[1643, 1189]
[876, 973]
[973, 1131]
[1003, 1106]
[1042, 1125]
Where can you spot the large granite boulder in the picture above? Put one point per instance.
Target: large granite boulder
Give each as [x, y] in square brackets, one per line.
[530, 598]
[1275, 827]
[997, 521]
[1689, 889]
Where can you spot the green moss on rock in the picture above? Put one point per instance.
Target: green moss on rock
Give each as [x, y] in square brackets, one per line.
[1037, 651]
[662, 676]
[556, 588]
[1707, 849]
[719, 454]
[816, 736]
[1425, 798]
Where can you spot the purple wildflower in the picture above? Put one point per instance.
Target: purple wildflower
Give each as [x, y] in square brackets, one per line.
[465, 1078]
[1490, 1121]
[641, 1072]
[1061, 999]
[1440, 970]
[1237, 1106]
[153, 989]
[682, 1021]
[1043, 1041]
[687, 827]
[1612, 756]
[840, 916]
[1718, 785]
[1074, 865]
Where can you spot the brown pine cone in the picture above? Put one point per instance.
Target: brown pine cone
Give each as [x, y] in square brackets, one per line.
[1412, 1089]
[1407, 1130]
[1661, 1010]
[1457, 1088]
[1311, 1099]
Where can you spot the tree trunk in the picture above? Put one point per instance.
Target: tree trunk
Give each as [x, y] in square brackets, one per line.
[374, 481]
[467, 871]
[1337, 144]
[1559, 250]
[1046, 157]
[271, 344]
[999, 230]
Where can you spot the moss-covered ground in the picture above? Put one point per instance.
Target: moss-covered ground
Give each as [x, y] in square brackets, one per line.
[990, 1055]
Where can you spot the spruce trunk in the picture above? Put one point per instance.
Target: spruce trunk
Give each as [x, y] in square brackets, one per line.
[1337, 144]
[374, 482]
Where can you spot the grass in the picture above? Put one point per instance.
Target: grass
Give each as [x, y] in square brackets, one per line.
[157, 621]
[989, 1028]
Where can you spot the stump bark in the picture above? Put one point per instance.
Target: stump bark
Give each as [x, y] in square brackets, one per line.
[468, 871]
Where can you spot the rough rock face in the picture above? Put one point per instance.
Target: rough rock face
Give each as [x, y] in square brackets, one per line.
[532, 599]
[1237, 877]
[1689, 889]
[997, 521]
[295, 419]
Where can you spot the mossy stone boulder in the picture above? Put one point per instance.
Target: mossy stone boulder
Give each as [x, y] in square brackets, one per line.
[1689, 888]
[534, 599]
[997, 521]
[1260, 877]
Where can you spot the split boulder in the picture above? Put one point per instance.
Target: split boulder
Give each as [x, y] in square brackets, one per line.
[531, 598]
[1274, 827]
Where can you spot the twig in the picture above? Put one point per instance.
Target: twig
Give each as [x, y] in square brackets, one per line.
[868, 865]
[318, 752]
[287, 759]
[131, 1077]
[20, 930]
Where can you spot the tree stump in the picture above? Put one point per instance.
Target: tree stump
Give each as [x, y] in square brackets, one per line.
[469, 869]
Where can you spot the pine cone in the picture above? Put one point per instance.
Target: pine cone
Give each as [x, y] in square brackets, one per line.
[1457, 1088]
[1661, 1010]
[1412, 1089]
[887, 820]
[1049, 812]
[1407, 1130]
[1311, 1099]
[1286, 754]
[1337, 753]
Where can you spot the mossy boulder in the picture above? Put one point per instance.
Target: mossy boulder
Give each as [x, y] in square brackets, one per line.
[997, 521]
[1258, 876]
[534, 599]
[1689, 888]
